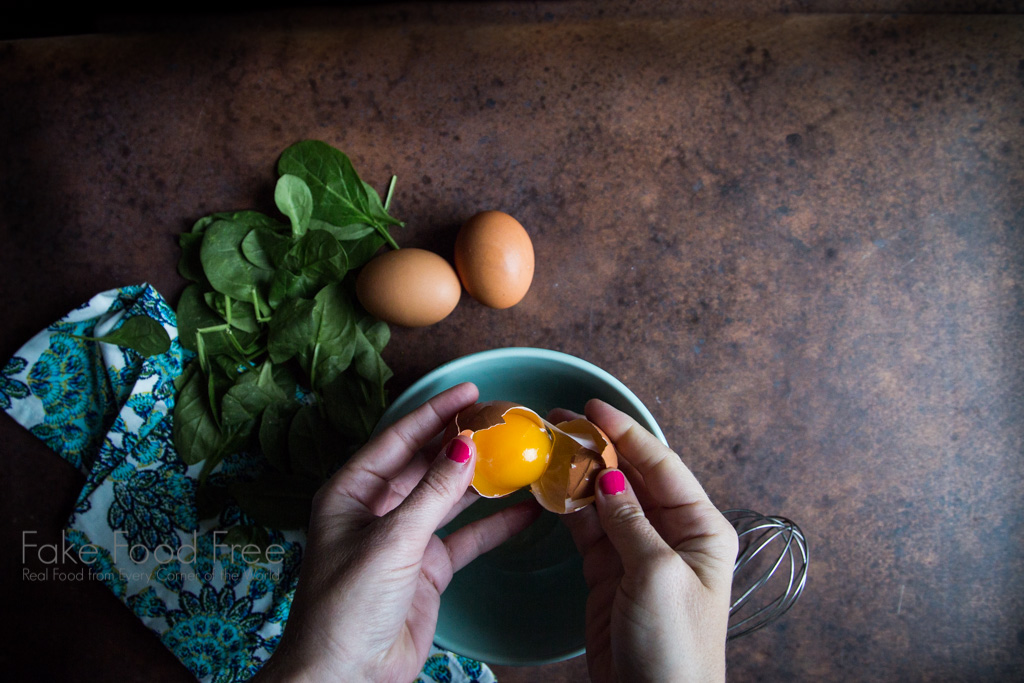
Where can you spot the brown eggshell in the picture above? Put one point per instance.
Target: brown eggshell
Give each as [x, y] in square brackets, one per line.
[579, 452]
[477, 417]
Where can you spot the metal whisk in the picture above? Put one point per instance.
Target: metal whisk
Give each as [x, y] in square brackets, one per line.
[771, 564]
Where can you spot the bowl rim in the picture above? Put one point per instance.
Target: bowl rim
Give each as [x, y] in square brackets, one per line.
[406, 403]
[398, 406]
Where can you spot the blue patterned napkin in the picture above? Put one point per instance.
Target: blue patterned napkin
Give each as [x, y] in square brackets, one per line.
[107, 411]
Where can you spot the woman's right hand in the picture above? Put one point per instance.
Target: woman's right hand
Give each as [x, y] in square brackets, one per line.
[658, 559]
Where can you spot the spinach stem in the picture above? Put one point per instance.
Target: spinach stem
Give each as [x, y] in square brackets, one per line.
[208, 465]
[243, 356]
[391, 190]
[211, 392]
[231, 334]
[204, 361]
[387, 204]
[313, 364]
[390, 240]
[260, 318]
[227, 310]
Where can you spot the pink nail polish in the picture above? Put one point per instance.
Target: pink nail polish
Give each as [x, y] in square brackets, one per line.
[612, 483]
[458, 450]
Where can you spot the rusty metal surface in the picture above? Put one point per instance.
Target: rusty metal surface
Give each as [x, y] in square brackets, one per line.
[798, 239]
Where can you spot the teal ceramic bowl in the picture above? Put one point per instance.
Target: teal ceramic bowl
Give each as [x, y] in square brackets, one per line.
[523, 603]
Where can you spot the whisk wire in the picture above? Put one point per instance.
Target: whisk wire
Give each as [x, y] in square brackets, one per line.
[743, 560]
[753, 564]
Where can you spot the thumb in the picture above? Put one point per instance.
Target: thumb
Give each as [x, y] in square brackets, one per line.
[428, 504]
[624, 522]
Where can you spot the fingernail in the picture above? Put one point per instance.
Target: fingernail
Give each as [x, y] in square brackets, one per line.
[459, 451]
[612, 483]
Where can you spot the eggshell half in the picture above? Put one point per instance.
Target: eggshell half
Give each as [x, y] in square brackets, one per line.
[579, 452]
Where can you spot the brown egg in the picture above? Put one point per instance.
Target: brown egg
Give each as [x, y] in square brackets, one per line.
[408, 287]
[494, 258]
[516, 447]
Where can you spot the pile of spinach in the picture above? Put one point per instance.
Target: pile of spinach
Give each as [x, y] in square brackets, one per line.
[287, 364]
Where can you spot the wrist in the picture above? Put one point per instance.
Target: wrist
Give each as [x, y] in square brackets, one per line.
[286, 667]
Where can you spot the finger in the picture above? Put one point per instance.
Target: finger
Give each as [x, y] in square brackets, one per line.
[390, 494]
[394, 491]
[376, 480]
[468, 498]
[636, 481]
[668, 481]
[475, 539]
[637, 542]
[419, 467]
[562, 415]
[601, 561]
[432, 501]
[387, 454]
[584, 527]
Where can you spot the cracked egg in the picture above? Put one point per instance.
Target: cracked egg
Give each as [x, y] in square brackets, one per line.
[516, 448]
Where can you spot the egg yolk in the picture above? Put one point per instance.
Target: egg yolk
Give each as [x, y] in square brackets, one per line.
[510, 455]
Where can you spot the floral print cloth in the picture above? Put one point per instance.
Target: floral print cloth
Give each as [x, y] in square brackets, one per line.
[107, 411]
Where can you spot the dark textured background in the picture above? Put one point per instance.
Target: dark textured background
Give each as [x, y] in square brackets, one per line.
[799, 238]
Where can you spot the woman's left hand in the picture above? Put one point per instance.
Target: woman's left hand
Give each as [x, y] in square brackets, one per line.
[373, 572]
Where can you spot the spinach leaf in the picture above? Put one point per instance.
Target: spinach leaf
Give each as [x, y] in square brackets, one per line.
[339, 196]
[190, 266]
[251, 394]
[311, 445]
[195, 431]
[334, 345]
[294, 200]
[372, 335]
[342, 233]
[264, 247]
[293, 325]
[362, 250]
[321, 333]
[251, 537]
[351, 407]
[226, 267]
[196, 318]
[274, 429]
[211, 500]
[139, 333]
[356, 399]
[360, 242]
[315, 260]
[239, 315]
[252, 219]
